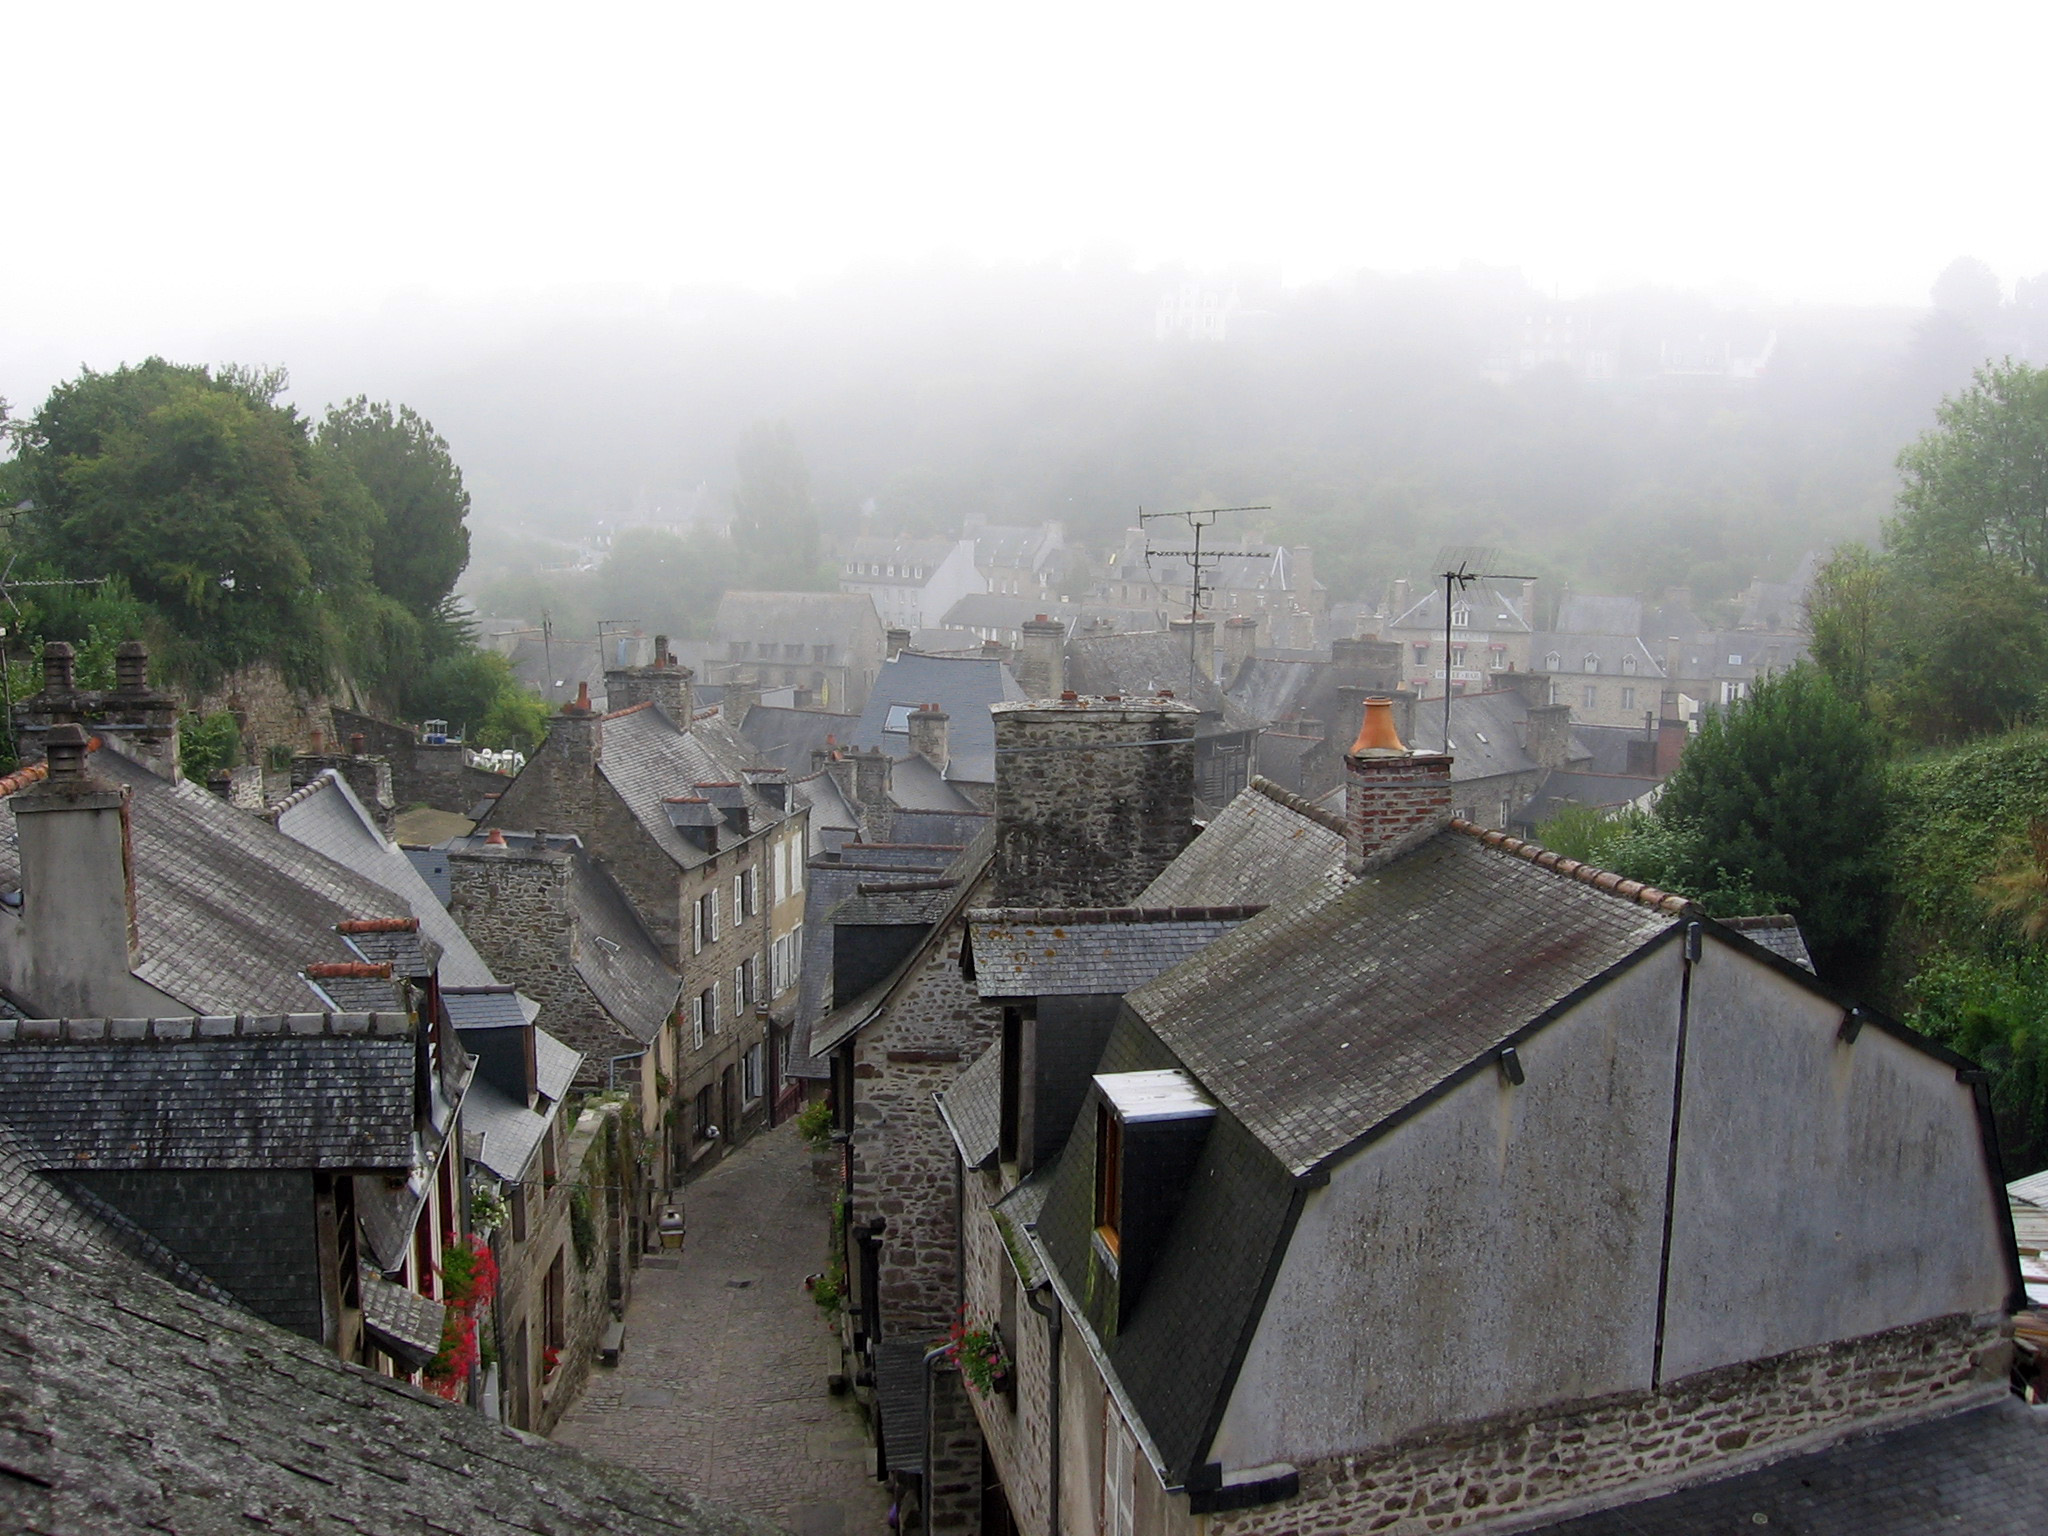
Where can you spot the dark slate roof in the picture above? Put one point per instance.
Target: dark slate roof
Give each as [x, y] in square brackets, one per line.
[133, 1407]
[1088, 952]
[1315, 1022]
[887, 904]
[1264, 845]
[963, 686]
[1779, 933]
[787, 737]
[915, 785]
[1598, 613]
[482, 1008]
[1609, 746]
[616, 957]
[1737, 653]
[1143, 664]
[400, 1321]
[1001, 610]
[512, 1132]
[229, 910]
[332, 821]
[1612, 653]
[1494, 609]
[830, 810]
[647, 758]
[1269, 689]
[956, 828]
[972, 1107]
[307, 1091]
[1487, 731]
[1604, 791]
[1984, 1471]
[837, 619]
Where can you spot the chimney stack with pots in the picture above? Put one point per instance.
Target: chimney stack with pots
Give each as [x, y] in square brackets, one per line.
[664, 682]
[1393, 798]
[1200, 634]
[1240, 639]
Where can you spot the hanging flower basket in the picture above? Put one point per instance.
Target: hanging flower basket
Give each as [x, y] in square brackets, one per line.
[982, 1359]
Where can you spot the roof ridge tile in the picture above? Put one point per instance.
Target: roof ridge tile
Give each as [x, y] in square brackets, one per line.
[200, 1027]
[1289, 800]
[1087, 916]
[303, 793]
[1643, 895]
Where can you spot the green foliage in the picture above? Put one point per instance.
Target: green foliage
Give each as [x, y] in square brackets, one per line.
[421, 539]
[582, 1226]
[1995, 1011]
[1583, 832]
[1974, 485]
[1784, 792]
[487, 1209]
[476, 693]
[207, 744]
[775, 532]
[814, 1123]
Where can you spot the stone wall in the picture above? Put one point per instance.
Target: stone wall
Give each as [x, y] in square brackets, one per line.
[1084, 816]
[268, 711]
[436, 775]
[903, 1158]
[1016, 1425]
[1444, 1479]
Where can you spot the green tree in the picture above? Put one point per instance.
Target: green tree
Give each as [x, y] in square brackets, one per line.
[421, 539]
[1787, 788]
[1846, 611]
[1976, 487]
[670, 584]
[774, 524]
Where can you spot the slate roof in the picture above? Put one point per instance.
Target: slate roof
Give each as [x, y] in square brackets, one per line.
[915, 785]
[1269, 689]
[830, 810]
[1144, 663]
[482, 1008]
[837, 619]
[1779, 933]
[1264, 845]
[229, 910]
[885, 903]
[1605, 791]
[332, 821]
[400, 1321]
[1001, 610]
[617, 958]
[972, 1107]
[963, 686]
[1599, 613]
[1494, 610]
[1984, 1471]
[512, 1132]
[788, 737]
[1088, 952]
[1487, 731]
[432, 865]
[1736, 654]
[1611, 653]
[307, 1091]
[1272, 566]
[902, 553]
[132, 1407]
[647, 758]
[1315, 1022]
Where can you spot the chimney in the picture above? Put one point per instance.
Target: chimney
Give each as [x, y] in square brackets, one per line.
[664, 682]
[1550, 734]
[928, 735]
[898, 641]
[1534, 687]
[1672, 735]
[738, 702]
[872, 771]
[1400, 601]
[60, 664]
[1367, 663]
[1201, 634]
[355, 744]
[1042, 658]
[77, 886]
[1302, 577]
[1393, 798]
[1085, 816]
[1240, 639]
[131, 667]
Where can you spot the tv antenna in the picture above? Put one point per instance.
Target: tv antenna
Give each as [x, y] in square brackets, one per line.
[1199, 560]
[546, 631]
[1458, 580]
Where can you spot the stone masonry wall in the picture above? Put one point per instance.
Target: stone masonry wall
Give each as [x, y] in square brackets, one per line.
[903, 1158]
[1085, 817]
[1445, 1479]
[268, 711]
[1017, 1425]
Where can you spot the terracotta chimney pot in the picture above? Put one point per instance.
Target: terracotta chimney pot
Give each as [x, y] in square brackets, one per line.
[1376, 733]
[494, 839]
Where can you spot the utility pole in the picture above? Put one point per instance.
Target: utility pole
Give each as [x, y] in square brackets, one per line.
[1199, 560]
[1459, 580]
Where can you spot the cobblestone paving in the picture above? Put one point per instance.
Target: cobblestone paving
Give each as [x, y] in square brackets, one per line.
[721, 1390]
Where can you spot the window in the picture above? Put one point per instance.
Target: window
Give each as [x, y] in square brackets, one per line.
[1421, 649]
[700, 1025]
[1457, 655]
[1461, 617]
[752, 1064]
[1628, 698]
[701, 1128]
[1734, 661]
[554, 1313]
[1628, 665]
[1731, 692]
[1591, 663]
[704, 921]
[1592, 697]
[1552, 661]
[739, 987]
[1119, 1468]
[898, 718]
[1109, 1178]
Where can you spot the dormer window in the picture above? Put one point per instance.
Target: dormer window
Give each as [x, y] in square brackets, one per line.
[1461, 616]
[1150, 1128]
[1591, 664]
[1628, 665]
[1109, 1179]
[1552, 661]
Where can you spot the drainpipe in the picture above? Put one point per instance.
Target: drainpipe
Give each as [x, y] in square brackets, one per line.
[1054, 1321]
[611, 1076]
[931, 1356]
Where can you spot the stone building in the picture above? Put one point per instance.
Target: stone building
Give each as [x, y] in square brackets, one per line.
[1596, 1195]
[1272, 584]
[1490, 630]
[829, 644]
[912, 581]
[709, 850]
[1606, 679]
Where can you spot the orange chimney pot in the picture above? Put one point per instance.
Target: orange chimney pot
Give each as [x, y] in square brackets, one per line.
[1376, 733]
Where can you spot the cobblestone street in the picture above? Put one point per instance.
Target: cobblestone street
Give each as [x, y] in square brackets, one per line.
[721, 1390]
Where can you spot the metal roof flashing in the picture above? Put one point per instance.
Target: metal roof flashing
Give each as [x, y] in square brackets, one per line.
[1143, 1097]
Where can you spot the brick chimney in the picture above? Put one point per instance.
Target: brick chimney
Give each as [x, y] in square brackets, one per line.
[928, 724]
[1042, 658]
[77, 886]
[1240, 639]
[664, 682]
[1084, 817]
[1393, 798]
[1350, 717]
[1201, 634]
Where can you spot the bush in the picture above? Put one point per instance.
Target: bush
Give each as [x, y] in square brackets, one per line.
[207, 744]
[814, 1123]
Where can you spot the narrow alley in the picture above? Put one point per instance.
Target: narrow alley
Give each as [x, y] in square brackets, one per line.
[721, 1390]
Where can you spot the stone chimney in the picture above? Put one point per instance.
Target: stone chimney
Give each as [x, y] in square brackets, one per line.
[1367, 663]
[1550, 734]
[1534, 687]
[664, 682]
[872, 771]
[830, 759]
[738, 701]
[1393, 798]
[1042, 658]
[369, 777]
[60, 667]
[139, 722]
[1240, 639]
[1084, 817]
[898, 641]
[928, 725]
[1201, 634]
[77, 886]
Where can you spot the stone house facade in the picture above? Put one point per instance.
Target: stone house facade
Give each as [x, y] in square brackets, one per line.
[1490, 632]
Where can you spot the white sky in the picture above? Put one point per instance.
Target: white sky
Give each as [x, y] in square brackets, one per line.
[178, 170]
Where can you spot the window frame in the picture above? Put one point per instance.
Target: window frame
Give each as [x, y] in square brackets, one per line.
[1109, 1178]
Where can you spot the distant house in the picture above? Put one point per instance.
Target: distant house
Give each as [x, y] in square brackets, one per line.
[1273, 584]
[1016, 561]
[1607, 679]
[1490, 630]
[912, 581]
[828, 644]
[1465, 1184]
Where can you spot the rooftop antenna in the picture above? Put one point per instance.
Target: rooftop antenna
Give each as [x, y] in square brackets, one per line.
[1459, 579]
[615, 627]
[1199, 560]
[547, 649]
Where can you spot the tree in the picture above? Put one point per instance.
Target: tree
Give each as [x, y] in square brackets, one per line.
[421, 539]
[1846, 608]
[1787, 786]
[1976, 487]
[670, 584]
[774, 525]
